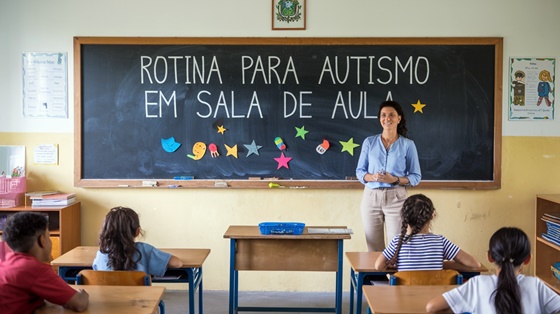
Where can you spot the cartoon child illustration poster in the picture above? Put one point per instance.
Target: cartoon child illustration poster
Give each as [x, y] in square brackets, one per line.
[532, 92]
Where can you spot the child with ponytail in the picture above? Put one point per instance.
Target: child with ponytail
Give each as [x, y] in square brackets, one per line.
[416, 248]
[507, 291]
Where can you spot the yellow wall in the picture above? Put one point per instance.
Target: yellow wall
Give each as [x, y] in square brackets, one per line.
[198, 218]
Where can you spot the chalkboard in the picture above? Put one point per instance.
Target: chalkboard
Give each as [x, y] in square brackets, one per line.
[143, 105]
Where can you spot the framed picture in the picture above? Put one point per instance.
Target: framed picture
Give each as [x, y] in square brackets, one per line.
[288, 14]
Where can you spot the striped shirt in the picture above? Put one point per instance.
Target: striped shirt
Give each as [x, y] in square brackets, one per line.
[423, 252]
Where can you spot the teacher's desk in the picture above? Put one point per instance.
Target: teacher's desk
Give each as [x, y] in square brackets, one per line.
[250, 251]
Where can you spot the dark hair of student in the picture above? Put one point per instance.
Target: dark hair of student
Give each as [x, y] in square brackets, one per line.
[117, 238]
[417, 211]
[401, 128]
[22, 229]
[509, 247]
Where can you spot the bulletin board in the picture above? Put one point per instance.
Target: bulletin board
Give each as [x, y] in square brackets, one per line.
[244, 112]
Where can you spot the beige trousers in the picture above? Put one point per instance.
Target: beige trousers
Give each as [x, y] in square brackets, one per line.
[381, 206]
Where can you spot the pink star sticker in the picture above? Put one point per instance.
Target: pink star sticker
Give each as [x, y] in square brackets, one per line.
[283, 161]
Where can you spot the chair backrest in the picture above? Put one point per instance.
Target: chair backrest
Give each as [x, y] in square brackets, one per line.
[113, 278]
[426, 277]
[116, 278]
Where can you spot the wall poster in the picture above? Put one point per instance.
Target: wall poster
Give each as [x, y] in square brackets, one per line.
[45, 84]
[531, 93]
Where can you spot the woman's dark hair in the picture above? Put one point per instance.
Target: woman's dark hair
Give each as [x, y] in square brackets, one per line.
[509, 247]
[401, 127]
[417, 211]
[117, 238]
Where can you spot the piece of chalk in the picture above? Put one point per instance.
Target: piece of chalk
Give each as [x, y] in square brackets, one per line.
[274, 185]
[123, 185]
[183, 178]
[173, 186]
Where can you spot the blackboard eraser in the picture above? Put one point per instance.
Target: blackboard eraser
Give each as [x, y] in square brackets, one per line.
[183, 178]
[351, 178]
[149, 183]
[220, 184]
[254, 178]
[272, 178]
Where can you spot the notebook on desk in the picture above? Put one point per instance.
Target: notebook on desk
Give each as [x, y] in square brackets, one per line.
[329, 231]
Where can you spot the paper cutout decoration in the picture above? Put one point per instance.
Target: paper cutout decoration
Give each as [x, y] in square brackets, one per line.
[283, 161]
[252, 148]
[169, 145]
[322, 148]
[199, 149]
[418, 106]
[349, 146]
[221, 129]
[280, 143]
[213, 150]
[231, 151]
[301, 132]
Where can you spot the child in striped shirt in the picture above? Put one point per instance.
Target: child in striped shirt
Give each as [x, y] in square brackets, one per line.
[416, 248]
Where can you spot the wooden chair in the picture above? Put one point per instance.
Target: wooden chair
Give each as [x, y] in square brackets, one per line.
[426, 277]
[116, 278]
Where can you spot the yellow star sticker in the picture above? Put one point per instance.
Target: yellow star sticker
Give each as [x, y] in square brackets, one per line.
[231, 151]
[221, 129]
[418, 106]
[349, 146]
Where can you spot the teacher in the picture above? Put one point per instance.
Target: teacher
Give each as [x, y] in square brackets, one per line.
[388, 162]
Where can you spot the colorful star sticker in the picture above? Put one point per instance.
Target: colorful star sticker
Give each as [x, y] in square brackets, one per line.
[349, 146]
[252, 148]
[221, 129]
[283, 161]
[418, 106]
[231, 151]
[301, 132]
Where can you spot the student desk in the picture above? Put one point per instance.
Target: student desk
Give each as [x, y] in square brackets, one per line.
[249, 250]
[115, 299]
[81, 257]
[402, 299]
[362, 265]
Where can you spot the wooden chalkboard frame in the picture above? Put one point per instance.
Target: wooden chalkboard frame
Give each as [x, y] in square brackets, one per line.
[79, 181]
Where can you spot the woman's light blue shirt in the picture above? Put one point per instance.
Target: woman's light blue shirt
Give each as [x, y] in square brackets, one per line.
[153, 262]
[401, 160]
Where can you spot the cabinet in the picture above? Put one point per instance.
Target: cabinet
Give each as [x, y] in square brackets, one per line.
[64, 225]
[546, 253]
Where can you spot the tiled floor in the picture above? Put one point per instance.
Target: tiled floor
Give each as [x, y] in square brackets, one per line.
[217, 302]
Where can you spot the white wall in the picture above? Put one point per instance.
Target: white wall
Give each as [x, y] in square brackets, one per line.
[528, 29]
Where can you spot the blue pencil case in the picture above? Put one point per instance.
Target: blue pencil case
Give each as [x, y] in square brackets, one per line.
[294, 228]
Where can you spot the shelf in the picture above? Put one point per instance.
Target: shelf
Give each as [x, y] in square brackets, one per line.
[64, 225]
[546, 252]
[551, 281]
[552, 245]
